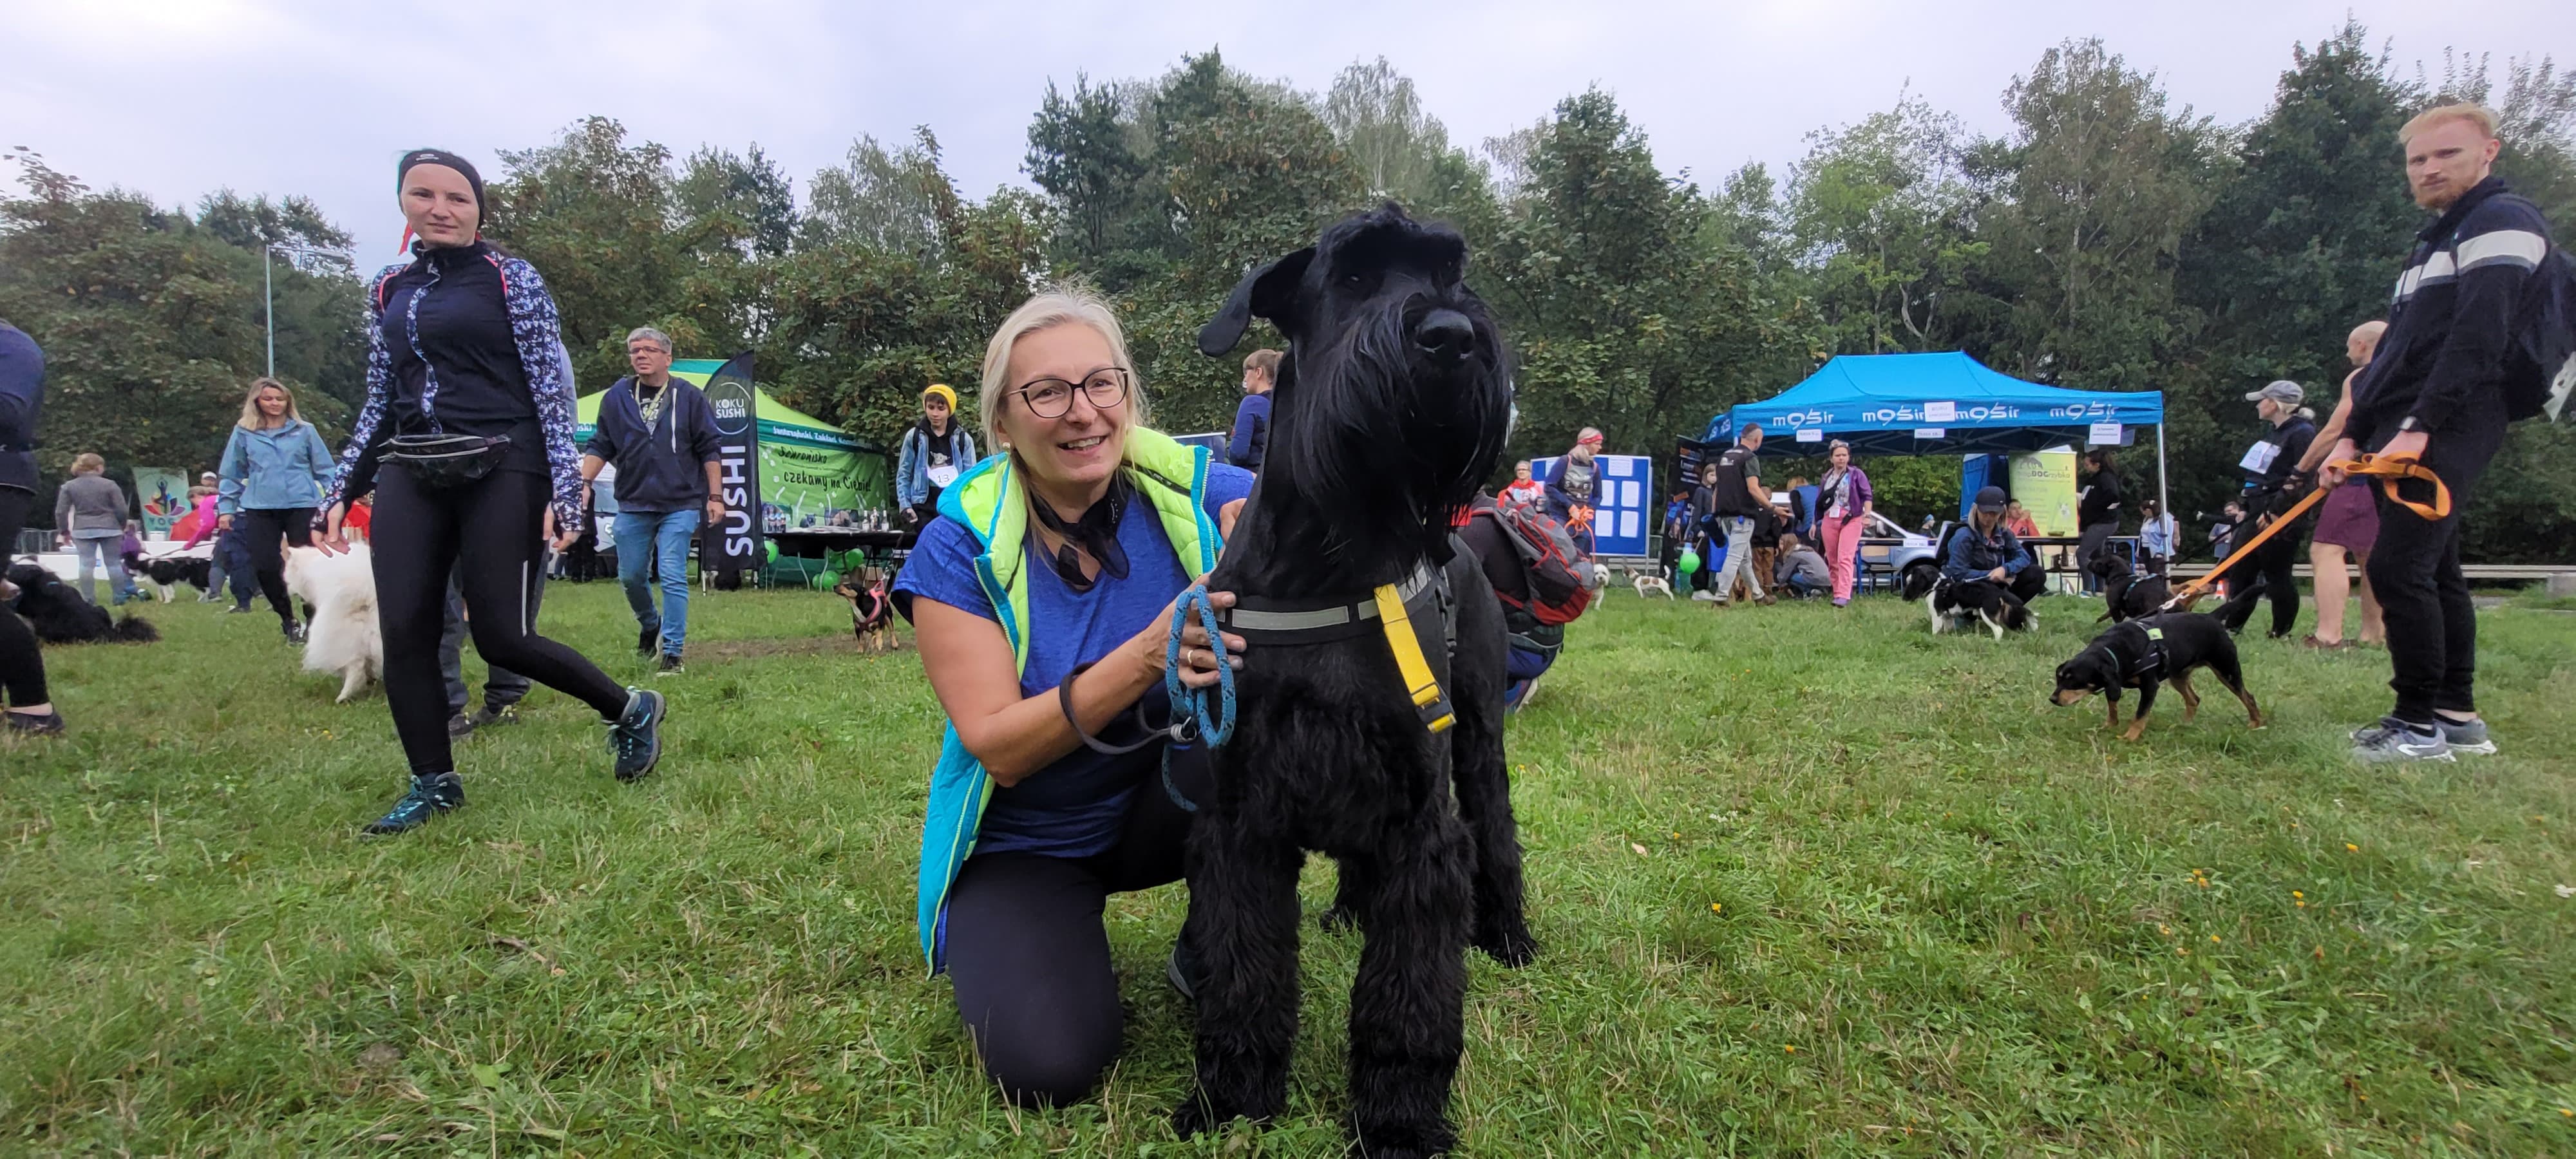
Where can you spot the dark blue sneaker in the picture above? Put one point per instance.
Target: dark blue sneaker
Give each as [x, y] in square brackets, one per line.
[636, 737]
[431, 794]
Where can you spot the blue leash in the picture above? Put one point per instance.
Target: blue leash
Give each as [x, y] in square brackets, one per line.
[1217, 727]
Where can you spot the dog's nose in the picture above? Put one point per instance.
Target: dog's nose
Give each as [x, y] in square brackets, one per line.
[1445, 335]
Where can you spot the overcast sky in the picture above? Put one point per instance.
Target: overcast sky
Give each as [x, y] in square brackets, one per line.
[176, 99]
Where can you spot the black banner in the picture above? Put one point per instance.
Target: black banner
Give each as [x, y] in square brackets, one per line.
[733, 545]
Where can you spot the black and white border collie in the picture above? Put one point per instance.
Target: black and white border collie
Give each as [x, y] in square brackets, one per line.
[1954, 604]
[166, 573]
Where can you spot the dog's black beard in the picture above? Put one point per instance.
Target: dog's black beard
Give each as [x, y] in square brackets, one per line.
[1372, 451]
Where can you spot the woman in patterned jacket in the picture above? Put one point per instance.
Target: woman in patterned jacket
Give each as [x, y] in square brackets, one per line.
[464, 343]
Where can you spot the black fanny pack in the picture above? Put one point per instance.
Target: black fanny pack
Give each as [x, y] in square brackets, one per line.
[442, 461]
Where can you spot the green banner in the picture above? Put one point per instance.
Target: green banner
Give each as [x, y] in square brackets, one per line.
[2044, 481]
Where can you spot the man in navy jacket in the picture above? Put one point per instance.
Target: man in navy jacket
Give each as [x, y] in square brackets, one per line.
[2434, 393]
[661, 435]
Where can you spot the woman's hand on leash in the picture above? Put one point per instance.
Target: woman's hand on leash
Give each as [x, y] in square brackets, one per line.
[334, 540]
[1198, 661]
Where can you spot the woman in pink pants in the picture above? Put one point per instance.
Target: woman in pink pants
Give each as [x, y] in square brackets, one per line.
[1843, 501]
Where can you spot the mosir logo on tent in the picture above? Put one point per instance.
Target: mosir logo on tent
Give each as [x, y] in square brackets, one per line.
[1943, 413]
[2089, 410]
[733, 544]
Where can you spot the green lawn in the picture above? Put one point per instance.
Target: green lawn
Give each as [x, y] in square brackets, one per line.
[1809, 882]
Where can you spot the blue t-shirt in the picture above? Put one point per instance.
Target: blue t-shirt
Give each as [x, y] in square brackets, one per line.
[1073, 807]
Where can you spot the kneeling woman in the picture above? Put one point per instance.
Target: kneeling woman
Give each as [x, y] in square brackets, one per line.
[1042, 599]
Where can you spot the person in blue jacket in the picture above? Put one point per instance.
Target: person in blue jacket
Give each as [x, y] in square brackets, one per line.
[271, 480]
[1981, 551]
[1042, 599]
[932, 454]
[1251, 438]
[30, 710]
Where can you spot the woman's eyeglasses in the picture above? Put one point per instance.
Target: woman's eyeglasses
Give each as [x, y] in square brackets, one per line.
[1052, 398]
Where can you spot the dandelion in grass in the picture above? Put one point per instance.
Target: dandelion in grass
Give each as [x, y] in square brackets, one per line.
[1791, 1048]
[1717, 907]
[2349, 847]
[2213, 939]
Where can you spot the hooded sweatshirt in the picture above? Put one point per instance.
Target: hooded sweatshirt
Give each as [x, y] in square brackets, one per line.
[661, 466]
[22, 395]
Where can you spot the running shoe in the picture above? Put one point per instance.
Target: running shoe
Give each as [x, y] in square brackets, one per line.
[2466, 736]
[30, 724]
[2394, 740]
[636, 737]
[431, 794]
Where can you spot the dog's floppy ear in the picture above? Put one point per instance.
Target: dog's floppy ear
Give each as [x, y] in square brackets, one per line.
[1263, 293]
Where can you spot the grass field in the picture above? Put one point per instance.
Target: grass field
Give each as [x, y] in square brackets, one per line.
[1809, 883]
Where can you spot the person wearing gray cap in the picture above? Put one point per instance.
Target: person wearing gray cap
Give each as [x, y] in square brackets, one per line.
[2273, 482]
[1981, 551]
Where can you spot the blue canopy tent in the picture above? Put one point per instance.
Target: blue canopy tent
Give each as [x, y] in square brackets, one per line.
[1942, 404]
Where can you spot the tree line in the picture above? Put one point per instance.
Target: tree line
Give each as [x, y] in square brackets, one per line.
[2110, 239]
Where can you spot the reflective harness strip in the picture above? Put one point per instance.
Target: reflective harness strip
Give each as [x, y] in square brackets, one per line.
[1275, 626]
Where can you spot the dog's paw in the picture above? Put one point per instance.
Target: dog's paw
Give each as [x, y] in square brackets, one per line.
[1405, 1140]
[1338, 919]
[1513, 947]
[1195, 1117]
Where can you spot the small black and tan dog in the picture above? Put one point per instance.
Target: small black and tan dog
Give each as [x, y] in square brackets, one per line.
[2144, 652]
[871, 608]
[2127, 593]
[60, 616]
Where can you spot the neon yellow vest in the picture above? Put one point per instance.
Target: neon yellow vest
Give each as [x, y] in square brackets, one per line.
[992, 501]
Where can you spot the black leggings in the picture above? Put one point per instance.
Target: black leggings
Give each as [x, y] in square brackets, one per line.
[261, 531]
[1029, 957]
[22, 667]
[2267, 573]
[486, 533]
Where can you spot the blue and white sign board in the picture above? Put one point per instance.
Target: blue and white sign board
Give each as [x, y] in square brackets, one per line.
[1624, 513]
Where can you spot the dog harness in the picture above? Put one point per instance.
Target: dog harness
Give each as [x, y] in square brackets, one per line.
[1389, 609]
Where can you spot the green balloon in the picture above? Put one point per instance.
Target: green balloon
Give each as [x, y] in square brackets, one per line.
[1689, 562]
[772, 546]
[825, 580]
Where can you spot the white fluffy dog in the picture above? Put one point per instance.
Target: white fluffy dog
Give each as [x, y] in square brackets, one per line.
[343, 636]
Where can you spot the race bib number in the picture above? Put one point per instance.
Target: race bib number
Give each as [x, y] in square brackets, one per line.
[943, 475]
[2258, 458]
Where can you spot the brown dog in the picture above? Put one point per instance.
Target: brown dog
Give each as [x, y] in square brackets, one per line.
[871, 608]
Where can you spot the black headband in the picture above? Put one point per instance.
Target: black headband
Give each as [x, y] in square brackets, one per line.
[441, 157]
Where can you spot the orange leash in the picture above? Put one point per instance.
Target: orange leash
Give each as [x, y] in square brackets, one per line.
[2388, 472]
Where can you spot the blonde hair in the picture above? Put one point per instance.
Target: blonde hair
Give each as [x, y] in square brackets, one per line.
[1052, 307]
[2480, 115]
[251, 419]
[88, 463]
[1265, 361]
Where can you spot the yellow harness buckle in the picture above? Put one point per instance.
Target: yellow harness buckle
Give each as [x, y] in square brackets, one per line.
[1409, 661]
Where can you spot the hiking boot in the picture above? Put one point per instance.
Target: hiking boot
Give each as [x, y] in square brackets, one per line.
[492, 714]
[51, 724]
[459, 726]
[647, 640]
[635, 738]
[670, 666]
[431, 794]
[2394, 740]
[2465, 736]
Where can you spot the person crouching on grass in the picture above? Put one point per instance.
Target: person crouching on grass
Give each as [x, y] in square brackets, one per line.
[462, 341]
[1981, 551]
[1042, 599]
[661, 434]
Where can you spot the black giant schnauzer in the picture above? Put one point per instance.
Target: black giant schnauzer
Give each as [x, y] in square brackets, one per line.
[60, 616]
[1390, 409]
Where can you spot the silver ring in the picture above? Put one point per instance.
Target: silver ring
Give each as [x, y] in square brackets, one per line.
[1187, 657]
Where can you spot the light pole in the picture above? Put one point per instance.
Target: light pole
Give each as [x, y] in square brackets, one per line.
[268, 287]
